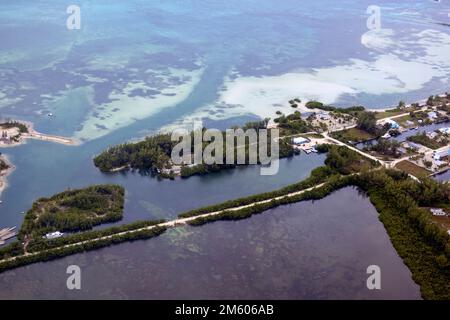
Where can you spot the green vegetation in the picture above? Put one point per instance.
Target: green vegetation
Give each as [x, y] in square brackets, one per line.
[438, 101]
[403, 120]
[38, 244]
[353, 135]
[73, 210]
[340, 160]
[346, 161]
[14, 124]
[423, 139]
[333, 184]
[313, 135]
[292, 124]
[319, 105]
[367, 121]
[412, 168]
[59, 252]
[3, 164]
[317, 176]
[384, 147]
[423, 245]
[43, 244]
[314, 105]
[149, 155]
[400, 201]
[154, 153]
[366, 129]
[389, 113]
[285, 150]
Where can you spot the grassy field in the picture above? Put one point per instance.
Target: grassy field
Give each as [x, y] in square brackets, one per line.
[402, 121]
[312, 135]
[423, 139]
[353, 134]
[390, 113]
[412, 168]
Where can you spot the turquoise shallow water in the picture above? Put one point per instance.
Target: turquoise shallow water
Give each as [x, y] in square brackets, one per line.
[156, 46]
[138, 66]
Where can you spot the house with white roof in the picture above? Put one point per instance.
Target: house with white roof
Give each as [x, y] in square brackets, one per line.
[300, 140]
[432, 115]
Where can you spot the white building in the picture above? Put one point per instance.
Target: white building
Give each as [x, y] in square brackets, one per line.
[439, 155]
[300, 140]
[432, 115]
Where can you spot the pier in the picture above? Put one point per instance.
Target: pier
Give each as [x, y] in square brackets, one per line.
[7, 233]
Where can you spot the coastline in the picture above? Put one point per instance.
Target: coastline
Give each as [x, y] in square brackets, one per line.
[5, 173]
[388, 108]
[33, 134]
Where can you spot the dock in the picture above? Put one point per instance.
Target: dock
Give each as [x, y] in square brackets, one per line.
[7, 233]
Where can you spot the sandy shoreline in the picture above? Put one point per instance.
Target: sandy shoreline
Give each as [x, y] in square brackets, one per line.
[5, 173]
[33, 134]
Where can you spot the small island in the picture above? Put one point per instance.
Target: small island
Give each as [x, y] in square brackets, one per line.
[414, 208]
[13, 133]
[71, 211]
[153, 155]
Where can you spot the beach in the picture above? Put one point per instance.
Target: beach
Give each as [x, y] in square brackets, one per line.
[5, 173]
[33, 134]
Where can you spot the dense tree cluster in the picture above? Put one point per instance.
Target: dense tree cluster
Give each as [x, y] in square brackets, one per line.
[285, 150]
[148, 155]
[345, 161]
[319, 105]
[423, 139]
[14, 124]
[367, 121]
[292, 124]
[58, 252]
[385, 147]
[73, 210]
[3, 164]
[154, 153]
[423, 245]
